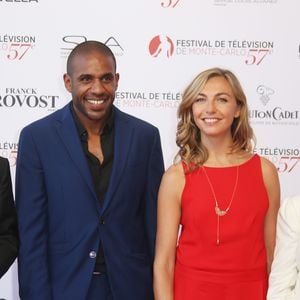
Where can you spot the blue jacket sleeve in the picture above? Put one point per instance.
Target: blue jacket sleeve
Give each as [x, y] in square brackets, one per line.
[155, 172]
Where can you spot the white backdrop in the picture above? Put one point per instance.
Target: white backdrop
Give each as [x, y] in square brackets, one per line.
[160, 45]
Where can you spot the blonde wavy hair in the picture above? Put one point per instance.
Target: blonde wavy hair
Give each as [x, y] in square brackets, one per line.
[188, 135]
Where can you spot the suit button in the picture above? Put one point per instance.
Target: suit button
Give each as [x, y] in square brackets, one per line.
[93, 254]
[102, 221]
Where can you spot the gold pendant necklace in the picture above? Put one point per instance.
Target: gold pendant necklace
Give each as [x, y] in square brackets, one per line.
[218, 211]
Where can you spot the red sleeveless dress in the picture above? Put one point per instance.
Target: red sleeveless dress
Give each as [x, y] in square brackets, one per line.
[236, 268]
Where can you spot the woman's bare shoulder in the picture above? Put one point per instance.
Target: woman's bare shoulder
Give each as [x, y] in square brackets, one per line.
[268, 167]
[175, 172]
[174, 178]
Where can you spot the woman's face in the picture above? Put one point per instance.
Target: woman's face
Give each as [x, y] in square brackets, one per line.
[215, 108]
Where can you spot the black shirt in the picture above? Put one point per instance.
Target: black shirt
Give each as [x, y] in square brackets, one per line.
[100, 171]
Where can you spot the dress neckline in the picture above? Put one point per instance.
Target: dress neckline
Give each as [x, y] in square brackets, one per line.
[232, 166]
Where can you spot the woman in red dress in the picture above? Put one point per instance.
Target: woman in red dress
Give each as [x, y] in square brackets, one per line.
[220, 196]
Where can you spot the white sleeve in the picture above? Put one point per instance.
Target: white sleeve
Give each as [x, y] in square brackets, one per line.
[284, 271]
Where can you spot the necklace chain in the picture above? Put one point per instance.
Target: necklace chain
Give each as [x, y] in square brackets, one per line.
[218, 211]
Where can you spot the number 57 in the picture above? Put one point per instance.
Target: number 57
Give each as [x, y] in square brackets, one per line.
[256, 56]
[17, 51]
[287, 163]
[169, 3]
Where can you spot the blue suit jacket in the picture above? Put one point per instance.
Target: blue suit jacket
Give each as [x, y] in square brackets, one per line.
[61, 223]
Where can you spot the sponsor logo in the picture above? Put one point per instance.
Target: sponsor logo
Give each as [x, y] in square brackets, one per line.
[169, 3]
[19, 1]
[147, 99]
[286, 160]
[253, 52]
[264, 93]
[272, 115]
[9, 150]
[27, 98]
[16, 47]
[71, 41]
[225, 2]
[161, 45]
[276, 114]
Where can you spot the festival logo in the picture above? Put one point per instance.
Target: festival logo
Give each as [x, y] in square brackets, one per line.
[147, 99]
[9, 150]
[71, 41]
[27, 98]
[251, 52]
[169, 3]
[16, 47]
[286, 160]
[161, 45]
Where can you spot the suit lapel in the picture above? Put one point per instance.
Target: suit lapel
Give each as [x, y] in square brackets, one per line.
[123, 136]
[66, 129]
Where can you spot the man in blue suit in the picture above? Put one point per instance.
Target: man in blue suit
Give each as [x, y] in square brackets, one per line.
[86, 186]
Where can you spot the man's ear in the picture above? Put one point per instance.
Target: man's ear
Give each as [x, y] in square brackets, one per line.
[68, 82]
[117, 80]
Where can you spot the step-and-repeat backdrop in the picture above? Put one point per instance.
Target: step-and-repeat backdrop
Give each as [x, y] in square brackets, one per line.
[160, 45]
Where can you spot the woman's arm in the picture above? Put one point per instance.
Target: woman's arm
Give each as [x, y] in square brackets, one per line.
[271, 180]
[168, 220]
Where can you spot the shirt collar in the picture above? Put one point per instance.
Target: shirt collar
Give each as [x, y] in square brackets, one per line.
[108, 127]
